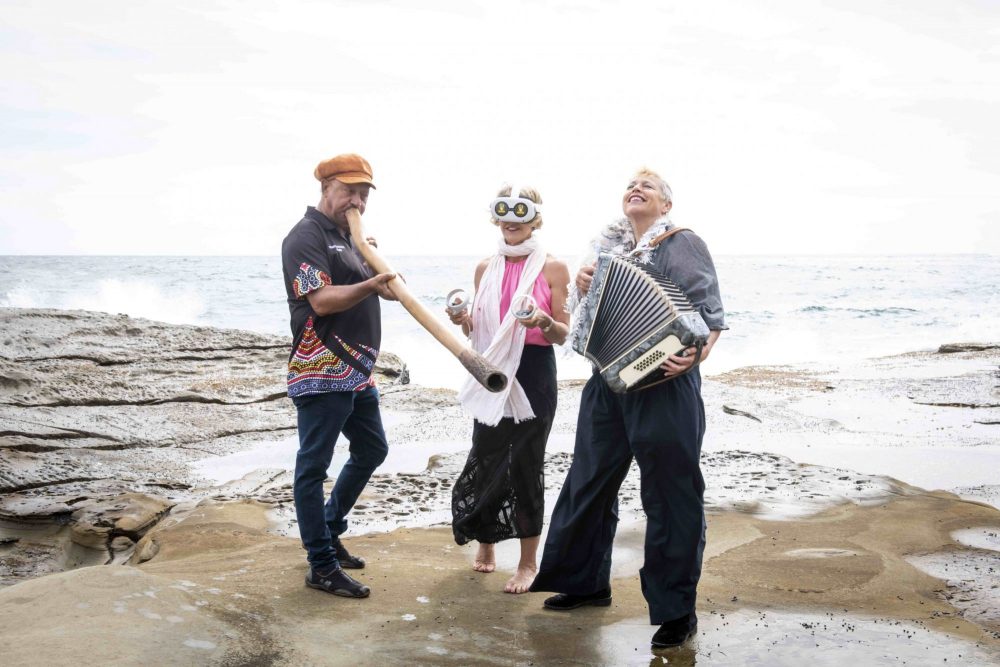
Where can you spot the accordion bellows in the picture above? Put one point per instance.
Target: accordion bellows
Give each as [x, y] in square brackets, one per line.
[632, 319]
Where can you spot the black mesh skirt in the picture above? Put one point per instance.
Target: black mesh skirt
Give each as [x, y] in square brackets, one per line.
[500, 493]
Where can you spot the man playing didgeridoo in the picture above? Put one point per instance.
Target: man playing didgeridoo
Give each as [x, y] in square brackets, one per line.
[333, 297]
[660, 426]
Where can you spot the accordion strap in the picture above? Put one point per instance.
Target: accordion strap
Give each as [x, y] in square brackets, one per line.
[666, 235]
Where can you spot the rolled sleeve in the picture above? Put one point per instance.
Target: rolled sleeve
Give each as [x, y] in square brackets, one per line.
[305, 262]
[693, 268]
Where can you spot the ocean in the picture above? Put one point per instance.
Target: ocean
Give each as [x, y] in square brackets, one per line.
[780, 309]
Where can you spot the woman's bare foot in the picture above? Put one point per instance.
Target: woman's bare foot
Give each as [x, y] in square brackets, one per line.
[485, 559]
[521, 581]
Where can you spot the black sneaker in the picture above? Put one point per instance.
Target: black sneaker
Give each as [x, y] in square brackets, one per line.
[338, 582]
[347, 561]
[565, 601]
[675, 632]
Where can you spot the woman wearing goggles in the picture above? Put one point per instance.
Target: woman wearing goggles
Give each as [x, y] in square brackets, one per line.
[515, 209]
[500, 493]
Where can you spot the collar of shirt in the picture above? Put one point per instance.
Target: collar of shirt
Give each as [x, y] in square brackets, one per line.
[326, 223]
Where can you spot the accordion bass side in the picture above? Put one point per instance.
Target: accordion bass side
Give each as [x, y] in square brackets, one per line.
[633, 318]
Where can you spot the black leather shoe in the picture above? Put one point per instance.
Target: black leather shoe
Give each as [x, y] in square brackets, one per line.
[347, 561]
[675, 632]
[338, 582]
[565, 601]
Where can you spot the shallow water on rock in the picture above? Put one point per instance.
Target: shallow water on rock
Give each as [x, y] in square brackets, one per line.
[972, 575]
[279, 454]
[979, 538]
[966, 471]
[779, 639]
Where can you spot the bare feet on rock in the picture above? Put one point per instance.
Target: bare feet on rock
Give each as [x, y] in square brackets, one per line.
[521, 581]
[485, 559]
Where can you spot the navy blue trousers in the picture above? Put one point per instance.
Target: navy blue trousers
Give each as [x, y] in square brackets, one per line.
[662, 428]
[321, 419]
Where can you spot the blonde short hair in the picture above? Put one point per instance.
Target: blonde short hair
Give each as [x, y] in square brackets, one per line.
[664, 187]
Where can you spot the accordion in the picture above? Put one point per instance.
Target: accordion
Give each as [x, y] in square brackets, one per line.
[633, 318]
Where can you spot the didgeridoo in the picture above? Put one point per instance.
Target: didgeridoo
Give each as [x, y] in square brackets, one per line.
[485, 373]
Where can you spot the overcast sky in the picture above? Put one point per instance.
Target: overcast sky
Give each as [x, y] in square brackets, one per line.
[789, 126]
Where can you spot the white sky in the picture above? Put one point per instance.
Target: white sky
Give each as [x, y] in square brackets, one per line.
[789, 126]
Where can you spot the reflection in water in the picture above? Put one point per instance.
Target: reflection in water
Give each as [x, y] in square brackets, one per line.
[779, 639]
[682, 656]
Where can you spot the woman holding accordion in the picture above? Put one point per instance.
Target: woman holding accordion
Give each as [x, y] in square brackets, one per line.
[660, 426]
[519, 312]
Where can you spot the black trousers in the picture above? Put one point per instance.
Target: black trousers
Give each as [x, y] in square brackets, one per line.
[662, 428]
[501, 491]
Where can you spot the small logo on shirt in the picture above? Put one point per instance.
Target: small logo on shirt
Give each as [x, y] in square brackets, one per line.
[338, 248]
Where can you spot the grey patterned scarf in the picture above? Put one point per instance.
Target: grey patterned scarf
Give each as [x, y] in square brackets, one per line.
[618, 238]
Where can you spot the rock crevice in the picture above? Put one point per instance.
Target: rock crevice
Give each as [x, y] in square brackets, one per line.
[102, 417]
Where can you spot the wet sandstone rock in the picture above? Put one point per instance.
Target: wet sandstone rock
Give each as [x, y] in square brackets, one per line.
[130, 515]
[101, 417]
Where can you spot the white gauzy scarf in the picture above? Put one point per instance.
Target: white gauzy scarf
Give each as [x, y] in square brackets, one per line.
[501, 342]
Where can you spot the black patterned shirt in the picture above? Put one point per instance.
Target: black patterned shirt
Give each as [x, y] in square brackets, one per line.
[336, 352]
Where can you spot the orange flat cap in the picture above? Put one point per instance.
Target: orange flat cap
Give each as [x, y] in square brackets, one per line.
[346, 168]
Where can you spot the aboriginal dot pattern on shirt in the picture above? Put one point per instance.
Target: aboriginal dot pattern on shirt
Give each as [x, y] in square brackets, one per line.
[309, 279]
[315, 369]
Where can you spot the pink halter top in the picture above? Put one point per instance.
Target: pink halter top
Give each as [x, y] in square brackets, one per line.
[541, 293]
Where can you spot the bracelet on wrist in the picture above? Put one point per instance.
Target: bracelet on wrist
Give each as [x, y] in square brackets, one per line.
[552, 323]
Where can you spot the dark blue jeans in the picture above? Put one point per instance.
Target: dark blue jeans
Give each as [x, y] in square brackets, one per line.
[322, 418]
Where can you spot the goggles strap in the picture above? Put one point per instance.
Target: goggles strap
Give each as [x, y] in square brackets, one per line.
[515, 193]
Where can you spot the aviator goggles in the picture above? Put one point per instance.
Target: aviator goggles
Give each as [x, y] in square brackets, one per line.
[514, 208]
